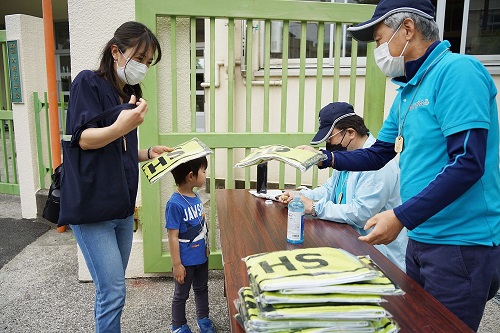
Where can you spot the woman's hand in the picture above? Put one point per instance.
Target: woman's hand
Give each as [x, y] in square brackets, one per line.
[156, 151]
[130, 119]
[150, 153]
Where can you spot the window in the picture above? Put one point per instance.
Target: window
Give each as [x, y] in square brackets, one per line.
[481, 35]
[63, 61]
[471, 26]
[312, 40]
[63, 66]
[200, 69]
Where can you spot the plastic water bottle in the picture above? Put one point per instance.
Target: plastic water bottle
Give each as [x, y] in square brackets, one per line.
[295, 226]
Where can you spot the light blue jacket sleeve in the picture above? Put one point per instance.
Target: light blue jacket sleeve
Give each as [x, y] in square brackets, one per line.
[367, 193]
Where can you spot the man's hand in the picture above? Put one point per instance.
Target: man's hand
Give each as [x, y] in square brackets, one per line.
[307, 204]
[323, 164]
[386, 228]
[286, 197]
[329, 159]
[306, 147]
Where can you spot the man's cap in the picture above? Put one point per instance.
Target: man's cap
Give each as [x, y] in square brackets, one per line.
[329, 116]
[364, 31]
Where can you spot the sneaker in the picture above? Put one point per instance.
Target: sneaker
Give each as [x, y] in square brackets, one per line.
[206, 325]
[182, 329]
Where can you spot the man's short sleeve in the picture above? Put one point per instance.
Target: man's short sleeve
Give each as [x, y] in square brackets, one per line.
[464, 96]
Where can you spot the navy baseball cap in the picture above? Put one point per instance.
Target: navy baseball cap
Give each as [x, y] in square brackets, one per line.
[329, 116]
[364, 31]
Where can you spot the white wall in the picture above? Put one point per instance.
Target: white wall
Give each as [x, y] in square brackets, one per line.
[92, 24]
[28, 30]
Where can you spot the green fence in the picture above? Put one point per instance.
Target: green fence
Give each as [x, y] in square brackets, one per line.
[9, 183]
[42, 128]
[250, 102]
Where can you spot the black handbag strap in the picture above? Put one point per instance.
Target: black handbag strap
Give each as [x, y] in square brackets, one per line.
[100, 116]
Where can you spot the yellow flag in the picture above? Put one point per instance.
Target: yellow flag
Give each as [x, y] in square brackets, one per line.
[298, 158]
[306, 268]
[159, 166]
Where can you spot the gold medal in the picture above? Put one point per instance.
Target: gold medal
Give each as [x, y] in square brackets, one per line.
[398, 146]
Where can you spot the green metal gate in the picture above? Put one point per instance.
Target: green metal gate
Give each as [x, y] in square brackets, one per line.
[250, 101]
[9, 183]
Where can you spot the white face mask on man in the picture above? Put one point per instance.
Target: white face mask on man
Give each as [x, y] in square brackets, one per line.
[389, 65]
[133, 72]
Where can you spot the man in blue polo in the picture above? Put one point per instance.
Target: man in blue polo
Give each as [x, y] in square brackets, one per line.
[444, 124]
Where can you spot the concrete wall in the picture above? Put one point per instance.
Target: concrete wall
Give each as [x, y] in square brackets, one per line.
[28, 31]
[92, 24]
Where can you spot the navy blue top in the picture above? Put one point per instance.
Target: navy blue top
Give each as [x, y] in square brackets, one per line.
[89, 96]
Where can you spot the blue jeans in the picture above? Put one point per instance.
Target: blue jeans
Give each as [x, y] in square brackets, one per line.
[106, 248]
[462, 278]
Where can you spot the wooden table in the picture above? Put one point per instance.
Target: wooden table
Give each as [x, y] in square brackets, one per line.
[249, 226]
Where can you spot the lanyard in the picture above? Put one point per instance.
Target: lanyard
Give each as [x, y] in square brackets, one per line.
[344, 175]
[398, 145]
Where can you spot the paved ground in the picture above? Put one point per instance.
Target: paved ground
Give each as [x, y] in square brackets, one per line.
[40, 291]
[11, 246]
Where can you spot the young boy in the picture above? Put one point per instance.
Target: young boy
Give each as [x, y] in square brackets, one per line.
[187, 240]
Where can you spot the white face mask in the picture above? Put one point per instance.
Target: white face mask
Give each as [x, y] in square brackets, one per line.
[133, 72]
[389, 65]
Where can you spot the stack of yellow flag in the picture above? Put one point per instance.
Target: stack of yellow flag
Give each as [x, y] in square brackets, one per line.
[314, 290]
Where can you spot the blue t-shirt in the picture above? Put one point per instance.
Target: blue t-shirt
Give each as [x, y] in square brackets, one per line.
[182, 212]
[449, 94]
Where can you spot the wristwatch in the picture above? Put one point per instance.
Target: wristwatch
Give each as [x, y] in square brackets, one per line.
[313, 209]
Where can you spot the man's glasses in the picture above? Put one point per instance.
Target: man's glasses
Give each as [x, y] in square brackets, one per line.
[331, 136]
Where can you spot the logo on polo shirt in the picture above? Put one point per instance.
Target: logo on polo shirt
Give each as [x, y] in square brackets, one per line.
[419, 103]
